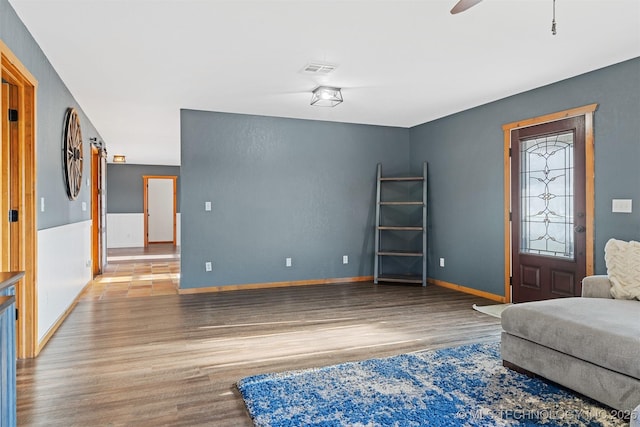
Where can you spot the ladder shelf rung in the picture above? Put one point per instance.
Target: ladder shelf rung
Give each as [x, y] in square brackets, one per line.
[395, 227]
[416, 203]
[398, 278]
[402, 178]
[399, 253]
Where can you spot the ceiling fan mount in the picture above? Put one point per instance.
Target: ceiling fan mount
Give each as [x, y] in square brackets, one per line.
[463, 5]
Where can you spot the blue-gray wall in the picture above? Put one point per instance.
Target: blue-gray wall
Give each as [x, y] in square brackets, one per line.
[53, 99]
[280, 188]
[465, 154]
[124, 185]
[305, 189]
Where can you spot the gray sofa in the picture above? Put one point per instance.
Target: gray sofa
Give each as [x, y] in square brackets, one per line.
[589, 344]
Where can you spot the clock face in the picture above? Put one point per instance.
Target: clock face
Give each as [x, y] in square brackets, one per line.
[72, 155]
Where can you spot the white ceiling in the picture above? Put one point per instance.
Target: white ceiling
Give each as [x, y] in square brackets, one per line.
[133, 64]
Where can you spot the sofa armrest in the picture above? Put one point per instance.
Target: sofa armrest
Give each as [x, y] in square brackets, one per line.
[596, 287]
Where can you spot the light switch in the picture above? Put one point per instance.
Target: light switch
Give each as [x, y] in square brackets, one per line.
[207, 206]
[621, 205]
[41, 204]
[84, 206]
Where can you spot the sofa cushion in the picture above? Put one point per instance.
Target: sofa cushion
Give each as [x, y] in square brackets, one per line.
[623, 268]
[605, 332]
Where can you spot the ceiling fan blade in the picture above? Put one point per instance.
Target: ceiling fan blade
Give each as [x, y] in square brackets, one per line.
[463, 5]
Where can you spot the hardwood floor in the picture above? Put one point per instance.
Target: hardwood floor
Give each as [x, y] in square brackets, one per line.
[152, 253]
[138, 272]
[129, 279]
[174, 359]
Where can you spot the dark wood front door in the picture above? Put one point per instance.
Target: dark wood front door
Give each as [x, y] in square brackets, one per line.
[548, 210]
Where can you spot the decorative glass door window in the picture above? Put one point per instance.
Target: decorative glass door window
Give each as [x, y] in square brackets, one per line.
[546, 195]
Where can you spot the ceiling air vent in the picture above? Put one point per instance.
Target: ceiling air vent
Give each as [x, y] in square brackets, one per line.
[318, 68]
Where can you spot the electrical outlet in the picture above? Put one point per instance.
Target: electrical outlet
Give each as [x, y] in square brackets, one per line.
[287, 262]
[441, 262]
[207, 266]
[345, 259]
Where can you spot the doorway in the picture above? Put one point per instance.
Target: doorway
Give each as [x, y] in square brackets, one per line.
[17, 161]
[160, 209]
[98, 210]
[550, 174]
[10, 227]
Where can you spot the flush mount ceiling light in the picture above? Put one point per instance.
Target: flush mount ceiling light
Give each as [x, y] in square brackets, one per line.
[324, 96]
[119, 158]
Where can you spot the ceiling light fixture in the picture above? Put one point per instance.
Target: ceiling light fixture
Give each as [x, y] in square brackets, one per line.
[119, 158]
[324, 96]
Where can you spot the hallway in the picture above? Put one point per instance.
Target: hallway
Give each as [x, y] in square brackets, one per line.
[137, 272]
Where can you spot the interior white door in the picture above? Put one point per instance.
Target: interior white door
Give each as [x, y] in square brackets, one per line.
[160, 210]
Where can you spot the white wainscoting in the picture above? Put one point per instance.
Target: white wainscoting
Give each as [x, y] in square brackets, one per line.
[126, 230]
[64, 269]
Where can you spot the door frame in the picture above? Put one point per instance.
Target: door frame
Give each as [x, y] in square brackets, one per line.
[14, 72]
[587, 111]
[98, 155]
[145, 203]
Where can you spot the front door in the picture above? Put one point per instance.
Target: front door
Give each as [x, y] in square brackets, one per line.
[548, 210]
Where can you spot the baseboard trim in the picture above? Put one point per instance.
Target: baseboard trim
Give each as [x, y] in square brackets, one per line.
[62, 318]
[476, 292]
[226, 288]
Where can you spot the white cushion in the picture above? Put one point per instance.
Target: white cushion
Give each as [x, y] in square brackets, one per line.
[623, 268]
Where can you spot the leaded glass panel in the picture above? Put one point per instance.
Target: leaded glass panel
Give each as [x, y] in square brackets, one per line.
[546, 195]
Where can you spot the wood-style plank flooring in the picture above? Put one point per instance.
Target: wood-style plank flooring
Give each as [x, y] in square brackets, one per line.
[138, 272]
[126, 279]
[153, 252]
[174, 359]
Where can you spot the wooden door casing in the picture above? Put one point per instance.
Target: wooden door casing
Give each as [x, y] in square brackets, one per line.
[19, 168]
[97, 192]
[587, 112]
[145, 186]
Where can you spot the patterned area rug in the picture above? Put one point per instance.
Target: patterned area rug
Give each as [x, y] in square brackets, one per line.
[461, 386]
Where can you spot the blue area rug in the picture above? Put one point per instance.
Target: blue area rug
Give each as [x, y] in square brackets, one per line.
[461, 386]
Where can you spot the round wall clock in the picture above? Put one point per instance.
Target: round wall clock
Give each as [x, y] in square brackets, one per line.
[72, 153]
